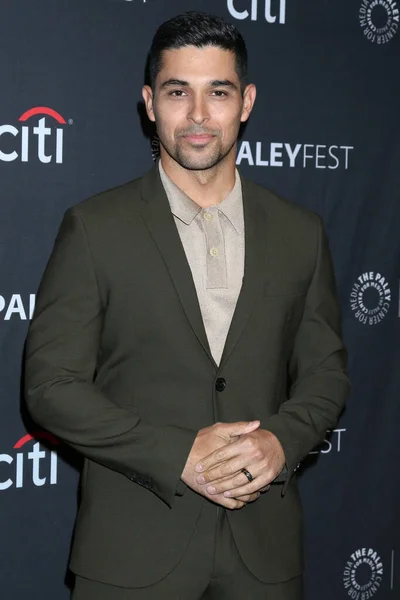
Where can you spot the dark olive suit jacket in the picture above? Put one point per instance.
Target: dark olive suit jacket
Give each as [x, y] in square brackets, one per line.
[119, 367]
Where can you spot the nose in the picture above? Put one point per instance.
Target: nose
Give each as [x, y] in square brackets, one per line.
[198, 109]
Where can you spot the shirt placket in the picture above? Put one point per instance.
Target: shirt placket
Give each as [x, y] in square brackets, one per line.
[215, 246]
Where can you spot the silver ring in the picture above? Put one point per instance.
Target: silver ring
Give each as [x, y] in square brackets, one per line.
[248, 475]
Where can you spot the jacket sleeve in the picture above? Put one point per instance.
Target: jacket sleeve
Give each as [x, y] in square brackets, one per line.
[317, 369]
[61, 360]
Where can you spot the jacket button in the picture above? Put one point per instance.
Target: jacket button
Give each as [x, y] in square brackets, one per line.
[220, 384]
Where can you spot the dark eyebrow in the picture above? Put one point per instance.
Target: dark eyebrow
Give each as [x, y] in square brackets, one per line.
[223, 83]
[215, 83]
[170, 82]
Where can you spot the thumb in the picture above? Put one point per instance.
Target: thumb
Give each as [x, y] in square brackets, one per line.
[241, 427]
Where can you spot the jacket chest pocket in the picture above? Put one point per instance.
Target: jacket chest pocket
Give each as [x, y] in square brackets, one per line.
[283, 303]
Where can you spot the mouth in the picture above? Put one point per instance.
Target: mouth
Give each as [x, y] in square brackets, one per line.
[199, 138]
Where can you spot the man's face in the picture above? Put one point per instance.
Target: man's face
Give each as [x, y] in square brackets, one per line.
[198, 106]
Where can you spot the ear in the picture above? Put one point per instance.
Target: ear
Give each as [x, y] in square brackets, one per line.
[249, 97]
[147, 94]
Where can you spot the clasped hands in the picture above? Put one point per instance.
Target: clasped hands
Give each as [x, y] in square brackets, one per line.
[220, 452]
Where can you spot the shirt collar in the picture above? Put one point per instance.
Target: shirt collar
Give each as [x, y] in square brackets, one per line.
[232, 205]
[185, 209]
[181, 205]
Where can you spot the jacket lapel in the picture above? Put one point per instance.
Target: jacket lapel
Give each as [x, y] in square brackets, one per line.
[160, 222]
[254, 267]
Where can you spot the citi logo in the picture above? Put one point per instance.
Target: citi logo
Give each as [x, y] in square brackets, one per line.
[37, 467]
[49, 144]
[274, 10]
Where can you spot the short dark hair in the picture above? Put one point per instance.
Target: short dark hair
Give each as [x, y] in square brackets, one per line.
[197, 29]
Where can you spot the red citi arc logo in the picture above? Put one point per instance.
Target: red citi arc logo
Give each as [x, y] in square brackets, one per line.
[37, 467]
[27, 148]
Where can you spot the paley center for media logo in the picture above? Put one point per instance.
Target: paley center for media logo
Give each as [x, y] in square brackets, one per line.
[363, 574]
[272, 11]
[370, 298]
[42, 123]
[30, 463]
[379, 20]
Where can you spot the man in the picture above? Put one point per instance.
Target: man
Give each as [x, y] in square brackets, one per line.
[186, 341]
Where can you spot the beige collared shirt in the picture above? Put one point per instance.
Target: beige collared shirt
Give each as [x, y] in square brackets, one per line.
[213, 240]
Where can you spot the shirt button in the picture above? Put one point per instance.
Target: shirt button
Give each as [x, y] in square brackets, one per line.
[208, 216]
[214, 251]
[220, 384]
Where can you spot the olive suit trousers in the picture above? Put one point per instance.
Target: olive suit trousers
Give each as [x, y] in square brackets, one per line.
[210, 569]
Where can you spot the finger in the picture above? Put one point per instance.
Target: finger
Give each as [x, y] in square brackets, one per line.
[227, 483]
[249, 497]
[238, 504]
[230, 503]
[240, 428]
[218, 456]
[250, 488]
[266, 488]
[226, 470]
[241, 446]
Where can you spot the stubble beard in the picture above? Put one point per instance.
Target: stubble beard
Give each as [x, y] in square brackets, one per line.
[196, 159]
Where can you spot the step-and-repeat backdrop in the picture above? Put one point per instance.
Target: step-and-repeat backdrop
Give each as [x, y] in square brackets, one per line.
[324, 133]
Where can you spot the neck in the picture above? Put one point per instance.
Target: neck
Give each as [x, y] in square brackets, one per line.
[207, 187]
